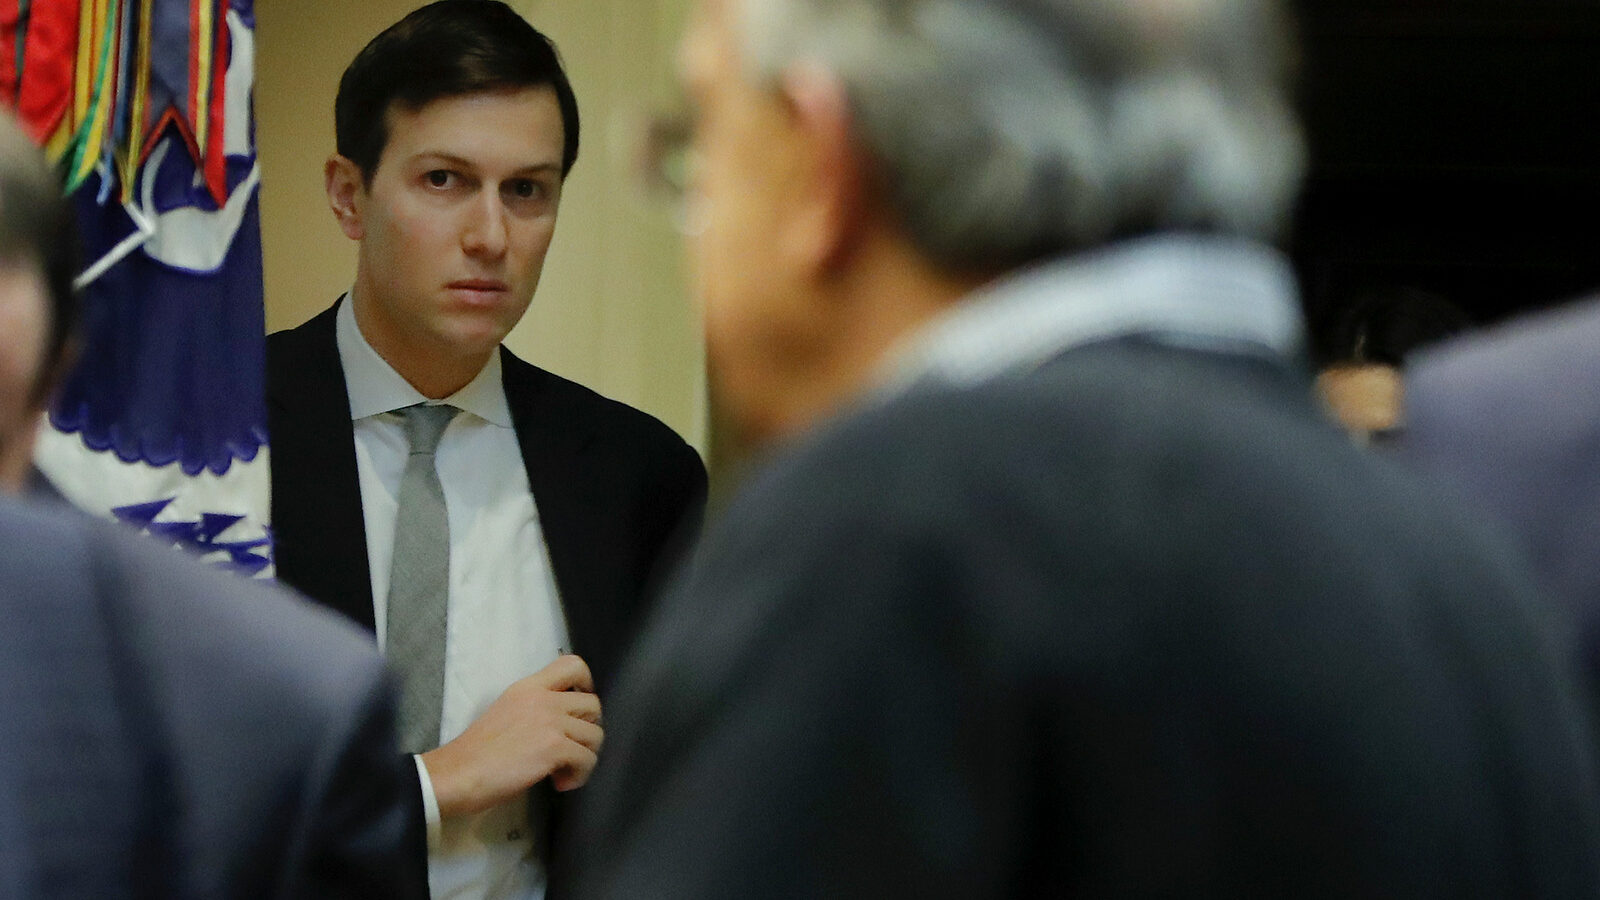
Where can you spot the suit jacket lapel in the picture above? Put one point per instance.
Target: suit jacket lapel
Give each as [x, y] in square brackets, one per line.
[553, 434]
[316, 492]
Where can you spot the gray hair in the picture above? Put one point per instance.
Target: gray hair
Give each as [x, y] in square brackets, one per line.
[1011, 130]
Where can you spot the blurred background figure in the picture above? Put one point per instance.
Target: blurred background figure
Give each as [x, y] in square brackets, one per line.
[165, 730]
[1363, 352]
[1511, 418]
[1054, 580]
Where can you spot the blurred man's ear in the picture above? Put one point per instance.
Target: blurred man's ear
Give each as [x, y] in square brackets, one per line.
[54, 373]
[345, 185]
[836, 206]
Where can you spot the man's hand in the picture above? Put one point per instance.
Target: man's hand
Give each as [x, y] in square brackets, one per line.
[545, 726]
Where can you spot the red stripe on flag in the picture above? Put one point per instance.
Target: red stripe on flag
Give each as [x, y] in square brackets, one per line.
[10, 12]
[50, 51]
[174, 117]
[216, 162]
[192, 110]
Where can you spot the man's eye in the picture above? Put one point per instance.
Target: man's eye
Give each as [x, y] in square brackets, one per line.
[440, 178]
[525, 188]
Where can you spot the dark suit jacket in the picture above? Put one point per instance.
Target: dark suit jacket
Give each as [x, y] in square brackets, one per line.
[618, 492]
[41, 489]
[1138, 623]
[170, 731]
[1511, 419]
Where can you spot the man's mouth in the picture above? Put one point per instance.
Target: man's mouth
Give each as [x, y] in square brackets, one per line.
[481, 285]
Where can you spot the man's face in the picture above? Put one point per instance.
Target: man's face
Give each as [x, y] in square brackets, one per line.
[1368, 399]
[757, 327]
[455, 223]
[24, 321]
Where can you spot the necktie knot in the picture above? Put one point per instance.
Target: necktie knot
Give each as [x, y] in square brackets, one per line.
[425, 424]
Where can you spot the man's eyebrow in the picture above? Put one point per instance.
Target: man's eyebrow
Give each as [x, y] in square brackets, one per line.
[459, 162]
[540, 169]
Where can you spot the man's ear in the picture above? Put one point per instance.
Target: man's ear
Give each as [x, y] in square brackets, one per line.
[835, 204]
[346, 188]
[51, 375]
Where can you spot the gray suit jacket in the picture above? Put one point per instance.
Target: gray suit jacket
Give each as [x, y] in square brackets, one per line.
[171, 731]
[1511, 419]
[1137, 623]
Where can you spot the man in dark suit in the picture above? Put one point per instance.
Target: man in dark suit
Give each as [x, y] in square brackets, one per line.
[173, 731]
[497, 527]
[1511, 419]
[1055, 584]
[166, 730]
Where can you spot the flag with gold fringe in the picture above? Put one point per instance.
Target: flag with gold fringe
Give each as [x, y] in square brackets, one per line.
[145, 105]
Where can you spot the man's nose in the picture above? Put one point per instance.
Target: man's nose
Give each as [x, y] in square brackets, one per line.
[484, 232]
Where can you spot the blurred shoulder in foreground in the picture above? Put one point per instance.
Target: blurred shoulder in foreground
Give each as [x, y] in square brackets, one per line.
[174, 731]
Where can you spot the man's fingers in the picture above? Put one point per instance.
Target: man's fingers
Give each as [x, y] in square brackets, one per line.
[575, 773]
[567, 673]
[582, 705]
[588, 734]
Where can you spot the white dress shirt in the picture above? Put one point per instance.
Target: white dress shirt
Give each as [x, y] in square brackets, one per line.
[505, 620]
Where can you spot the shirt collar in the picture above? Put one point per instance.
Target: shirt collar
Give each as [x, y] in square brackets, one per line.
[1213, 292]
[376, 388]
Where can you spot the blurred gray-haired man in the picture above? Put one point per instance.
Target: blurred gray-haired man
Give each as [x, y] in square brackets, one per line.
[166, 730]
[1053, 581]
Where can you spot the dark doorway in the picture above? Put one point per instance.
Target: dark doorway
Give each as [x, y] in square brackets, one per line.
[1455, 148]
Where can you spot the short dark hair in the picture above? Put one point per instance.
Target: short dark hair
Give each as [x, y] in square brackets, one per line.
[37, 228]
[1385, 324]
[446, 49]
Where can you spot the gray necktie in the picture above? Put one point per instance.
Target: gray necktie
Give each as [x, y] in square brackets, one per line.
[419, 582]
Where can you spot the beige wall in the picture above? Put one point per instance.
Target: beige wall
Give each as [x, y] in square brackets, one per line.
[610, 311]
